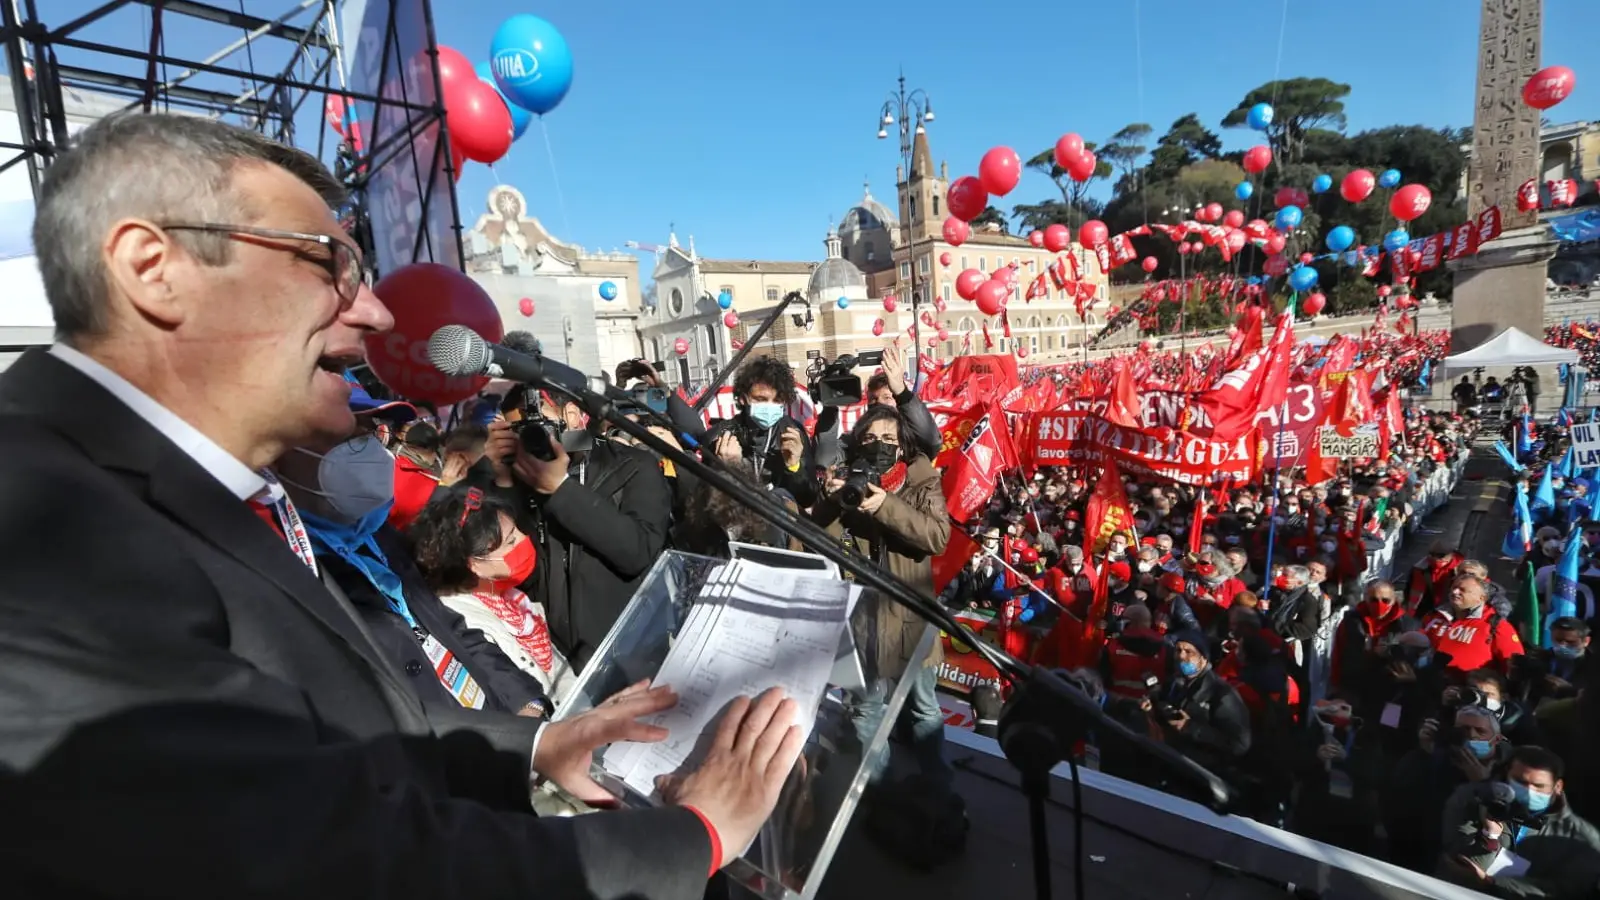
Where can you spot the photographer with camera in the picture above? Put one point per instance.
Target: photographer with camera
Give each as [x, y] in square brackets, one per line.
[598, 510]
[1196, 712]
[763, 434]
[1463, 745]
[1517, 837]
[888, 502]
[888, 388]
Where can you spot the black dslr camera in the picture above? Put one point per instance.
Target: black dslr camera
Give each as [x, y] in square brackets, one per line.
[837, 385]
[857, 477]
[538, 434]
[1159, 704]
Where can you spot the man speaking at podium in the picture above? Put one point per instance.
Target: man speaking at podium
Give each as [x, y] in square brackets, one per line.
[185, 710]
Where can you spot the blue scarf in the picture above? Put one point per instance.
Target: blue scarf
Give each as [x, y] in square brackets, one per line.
[346, 541]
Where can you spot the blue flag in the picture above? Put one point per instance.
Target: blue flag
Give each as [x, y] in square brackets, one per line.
[1519, 538]
[1594, 413]
[1568, 466]
[1544, 496]
[1524, 437]
[1563, 599]
[1424, 376]
[1506, 457]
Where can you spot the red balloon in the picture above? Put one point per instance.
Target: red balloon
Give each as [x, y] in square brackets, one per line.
[944, 258]
[956, 231]
[1284, 197]
[1275, 266]
[1306, 258]
[1183, 249]
[1213, 212]
[991, 296]
[877, 328]
[1236, 241]
[1057, 237]
[424, 297]
[1149, 264]
[1000, 170]
[1257, 229]
[943, 334]
[966, 198]
[1068, 148]
[1275, 243]
[1410, 201]
[1022, 351]
[1234, 219]
[1082, 168]
[1257, 158]
[1357, 186]
[1384, 290]
[454, 67]
[681, 346]
[1548, 86]
[888, 303]
[1093, 233]
[1313, 303]
[525, 306]
[1036, 238]
[968, 282]
[730, 319]
[479, 122]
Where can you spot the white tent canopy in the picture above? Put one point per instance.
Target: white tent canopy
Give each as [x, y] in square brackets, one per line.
[1510, 348]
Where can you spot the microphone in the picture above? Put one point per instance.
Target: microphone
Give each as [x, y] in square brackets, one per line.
[458, 350]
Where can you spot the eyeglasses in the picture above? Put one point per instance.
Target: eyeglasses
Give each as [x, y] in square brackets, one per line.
[343, 262]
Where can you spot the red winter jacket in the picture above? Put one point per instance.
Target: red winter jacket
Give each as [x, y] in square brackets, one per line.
[1485, 639]
[1429, 587]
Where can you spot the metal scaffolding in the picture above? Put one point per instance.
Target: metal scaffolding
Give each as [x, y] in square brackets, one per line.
[272, 73]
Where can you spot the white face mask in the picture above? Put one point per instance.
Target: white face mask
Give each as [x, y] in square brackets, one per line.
[356, 477]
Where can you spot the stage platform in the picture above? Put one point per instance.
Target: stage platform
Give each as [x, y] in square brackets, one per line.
[1140, 844]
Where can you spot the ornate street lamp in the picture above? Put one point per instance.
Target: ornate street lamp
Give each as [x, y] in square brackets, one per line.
[910, 110]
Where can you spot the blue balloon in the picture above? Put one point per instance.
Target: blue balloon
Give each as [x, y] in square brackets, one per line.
[1389, 178]
[532, 64]
[725, 299]
[1289, 217]
[520, 118]
[1303, 278]
[1340, 238]
[1321, 183]
[608, 291]
[1260, 116]
[1396, 239]
[843, 302]
[1243, 190]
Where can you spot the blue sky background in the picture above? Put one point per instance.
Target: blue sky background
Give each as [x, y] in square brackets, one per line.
[750, 125]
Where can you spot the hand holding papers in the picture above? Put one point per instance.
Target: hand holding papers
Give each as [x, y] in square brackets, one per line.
[752, 629]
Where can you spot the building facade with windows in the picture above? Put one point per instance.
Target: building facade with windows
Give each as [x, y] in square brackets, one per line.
[515, 259]
[687, 287]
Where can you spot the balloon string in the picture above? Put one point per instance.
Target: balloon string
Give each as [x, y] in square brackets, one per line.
[555, 177]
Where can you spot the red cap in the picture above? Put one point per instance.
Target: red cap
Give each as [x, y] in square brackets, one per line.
[1030, 555]
[1119, 571]
[1147, 542]
[1172, 581]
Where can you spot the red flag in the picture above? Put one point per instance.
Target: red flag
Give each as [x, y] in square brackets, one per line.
[957, 552]
[1123, 409]
[977, 448]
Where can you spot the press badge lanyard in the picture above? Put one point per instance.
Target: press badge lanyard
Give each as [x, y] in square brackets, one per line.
[294, 530]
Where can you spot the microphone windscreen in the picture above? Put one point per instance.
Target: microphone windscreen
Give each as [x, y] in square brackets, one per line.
[458, 350]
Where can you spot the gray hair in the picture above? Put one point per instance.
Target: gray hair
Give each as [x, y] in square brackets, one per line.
[1298, 573]
[1483, 713]
[161, 168]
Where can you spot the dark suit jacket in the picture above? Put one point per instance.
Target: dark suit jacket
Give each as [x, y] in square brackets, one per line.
[185, 710]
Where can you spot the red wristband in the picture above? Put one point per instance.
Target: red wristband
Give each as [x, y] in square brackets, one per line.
[716, 840]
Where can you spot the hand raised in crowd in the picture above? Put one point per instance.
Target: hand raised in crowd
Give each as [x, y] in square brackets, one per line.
[894, 367]
[566, 748]
[1403, 672]
[454, 469]
[1330, 752]
[753, 751]
[728, 448]
[792, 446]
[1473, 768]
[501, 448]
[1427, 734]
[544, 476]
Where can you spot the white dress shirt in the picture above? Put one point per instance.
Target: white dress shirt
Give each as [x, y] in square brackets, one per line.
[237, 477]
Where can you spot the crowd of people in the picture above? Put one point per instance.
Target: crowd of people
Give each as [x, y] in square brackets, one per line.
[241, 587]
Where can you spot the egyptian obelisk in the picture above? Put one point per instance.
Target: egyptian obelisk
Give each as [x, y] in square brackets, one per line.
[1503, 284]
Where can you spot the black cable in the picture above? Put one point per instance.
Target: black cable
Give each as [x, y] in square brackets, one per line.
[1039, 829]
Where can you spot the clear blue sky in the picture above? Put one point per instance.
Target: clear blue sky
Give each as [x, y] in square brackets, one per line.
[750, 124]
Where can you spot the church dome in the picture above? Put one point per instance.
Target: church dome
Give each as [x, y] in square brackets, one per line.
[835, 276]
[868, 215]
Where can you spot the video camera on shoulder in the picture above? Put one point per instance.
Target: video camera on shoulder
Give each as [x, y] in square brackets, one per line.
[837, 384]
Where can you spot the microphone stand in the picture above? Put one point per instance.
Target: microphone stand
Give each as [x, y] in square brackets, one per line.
[1045, 717]
[750, 343]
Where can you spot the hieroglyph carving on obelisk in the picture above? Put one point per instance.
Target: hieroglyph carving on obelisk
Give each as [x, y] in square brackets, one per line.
[1505, 131]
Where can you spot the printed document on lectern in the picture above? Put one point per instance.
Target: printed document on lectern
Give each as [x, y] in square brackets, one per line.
[753, 627]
